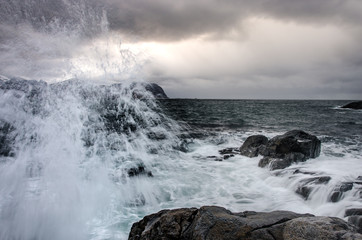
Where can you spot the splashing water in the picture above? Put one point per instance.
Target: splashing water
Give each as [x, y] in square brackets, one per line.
[70, 147]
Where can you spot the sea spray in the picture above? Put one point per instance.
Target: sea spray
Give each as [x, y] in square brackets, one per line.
[72, 145]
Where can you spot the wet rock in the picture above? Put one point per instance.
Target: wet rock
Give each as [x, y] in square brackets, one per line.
[252, 145]
[274, 163]
[354, 105]
[7, 139]
[218, 159]
[229, 151]
[298, 171]
[227, 156]
[156, 90]
[353, 211]
[338, 191]
[211, 222]
[307, 185]
[139, 171]
[356, 221]
[292, 147]
[295, 141]
[166, 224]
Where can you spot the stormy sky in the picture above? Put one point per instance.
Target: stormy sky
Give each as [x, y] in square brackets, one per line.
[284, 49]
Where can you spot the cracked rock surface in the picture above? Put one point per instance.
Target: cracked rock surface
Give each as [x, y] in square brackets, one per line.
[211, 222]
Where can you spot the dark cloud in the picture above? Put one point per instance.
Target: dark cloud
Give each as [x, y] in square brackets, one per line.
[172, 20]
[175, 20]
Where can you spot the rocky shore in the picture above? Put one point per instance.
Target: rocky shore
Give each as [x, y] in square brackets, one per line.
[212, 222]
[279, 153]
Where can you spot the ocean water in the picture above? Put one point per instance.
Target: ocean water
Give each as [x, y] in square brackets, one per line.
[71, 147]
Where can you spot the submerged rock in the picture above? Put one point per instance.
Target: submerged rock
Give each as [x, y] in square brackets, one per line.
[353, 105]
[339, 190]
[252, 145]
[139, 171]
[307, 185]
[211, 222]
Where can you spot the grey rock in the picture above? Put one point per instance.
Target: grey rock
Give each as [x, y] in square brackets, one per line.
[211, 222]
[319, 228]
[356, 221]
[353, 211]
[252, 145]
[292, 147]
[7, 139]
[140, 170]
[307, 185]
[339, 190]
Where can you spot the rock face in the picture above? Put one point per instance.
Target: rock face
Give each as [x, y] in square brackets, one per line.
[283, 150]
[156, 90]
[293, 146]
[252, 145]
[212, 222]
[306, 186]
[353, 105]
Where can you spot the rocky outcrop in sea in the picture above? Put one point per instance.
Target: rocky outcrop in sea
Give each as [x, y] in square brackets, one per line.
[281, 151]
[212, 222]
[353, 105]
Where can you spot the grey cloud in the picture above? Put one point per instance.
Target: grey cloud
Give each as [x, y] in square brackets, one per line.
[174, 20]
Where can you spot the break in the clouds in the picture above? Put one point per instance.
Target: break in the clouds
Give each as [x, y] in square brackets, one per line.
[198, 48]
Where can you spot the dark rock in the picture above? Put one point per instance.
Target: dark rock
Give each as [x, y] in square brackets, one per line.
[353, 211]
[218, 159]
[229, 151]
[307, 185]
[166, 224]
[139, 171]
[291, 147]
[353, 105]
[252, 145]
[278, 163]
[298, 171]
[156, 90]
[227, 156]
[265, 161]
[212, 222]
[295, 141]
[7, 139]
[338, 191]
[357, 221]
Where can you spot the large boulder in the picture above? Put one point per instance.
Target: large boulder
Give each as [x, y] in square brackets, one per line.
[252, 145]
[212, 222]
[291, 147]
[354, 105]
